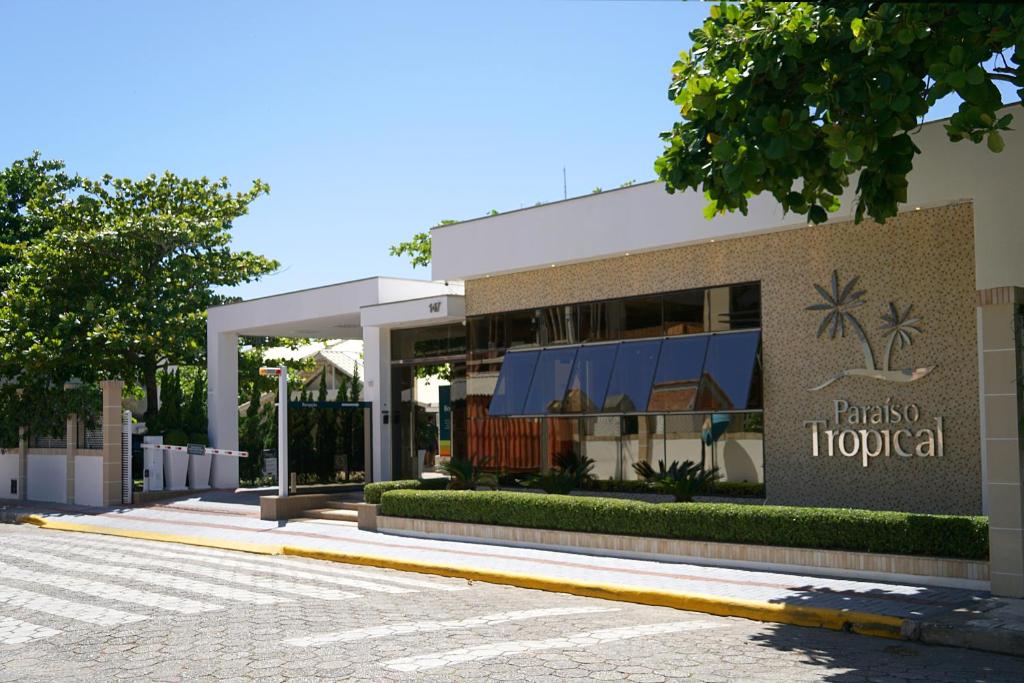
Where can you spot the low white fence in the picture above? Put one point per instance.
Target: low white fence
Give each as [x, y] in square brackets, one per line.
[180, 468]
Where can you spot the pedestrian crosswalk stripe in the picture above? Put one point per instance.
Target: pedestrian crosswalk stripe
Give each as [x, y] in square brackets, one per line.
[58, 607]
[16, 631]
[106, 591]
[272, 583]
[334, 569]
[153, 578]
[401, 629]
[277, 570]
[513, 647]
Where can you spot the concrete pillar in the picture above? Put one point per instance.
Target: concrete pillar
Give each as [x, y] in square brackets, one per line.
[112, 389]
[377, 389]
[1001, 343]
[222, 402]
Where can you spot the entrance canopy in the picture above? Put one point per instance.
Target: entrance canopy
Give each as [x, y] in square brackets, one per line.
[360, 309]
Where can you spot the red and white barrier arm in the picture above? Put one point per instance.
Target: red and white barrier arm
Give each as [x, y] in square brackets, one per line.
[208, 451]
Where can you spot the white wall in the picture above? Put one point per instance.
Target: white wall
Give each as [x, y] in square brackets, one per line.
[645, 217]
[89, 480]
[8, 471]
[47, 478]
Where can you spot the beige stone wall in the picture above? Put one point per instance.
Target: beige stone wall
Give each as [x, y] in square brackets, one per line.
[924, 258]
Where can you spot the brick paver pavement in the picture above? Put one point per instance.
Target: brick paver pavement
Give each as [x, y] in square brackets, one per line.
[396, 626]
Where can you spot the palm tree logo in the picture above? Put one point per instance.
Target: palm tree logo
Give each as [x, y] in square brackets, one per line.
[838, 302]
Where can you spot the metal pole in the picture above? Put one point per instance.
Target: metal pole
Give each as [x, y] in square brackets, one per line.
[282, 434]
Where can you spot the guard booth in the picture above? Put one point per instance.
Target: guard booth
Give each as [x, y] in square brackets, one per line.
[352, 422]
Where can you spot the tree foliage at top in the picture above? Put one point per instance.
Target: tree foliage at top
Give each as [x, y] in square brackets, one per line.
[418, 248]
[118, 283]
[795, 98]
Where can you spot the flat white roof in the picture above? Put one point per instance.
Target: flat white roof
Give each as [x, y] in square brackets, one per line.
[327, 312]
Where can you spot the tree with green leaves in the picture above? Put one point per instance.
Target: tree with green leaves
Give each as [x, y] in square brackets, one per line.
[119, 283]
[326, 432]
[418, 248]
[251, 439]
[29, 191]
[796, 98]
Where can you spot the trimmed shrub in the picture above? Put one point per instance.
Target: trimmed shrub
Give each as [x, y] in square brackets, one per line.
[727, 489]
[176, 437]
[372, 492]
[871, 531]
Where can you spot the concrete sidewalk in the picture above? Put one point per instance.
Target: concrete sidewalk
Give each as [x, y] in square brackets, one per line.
[932, 615]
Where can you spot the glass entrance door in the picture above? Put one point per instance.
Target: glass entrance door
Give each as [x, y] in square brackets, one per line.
[421, 395]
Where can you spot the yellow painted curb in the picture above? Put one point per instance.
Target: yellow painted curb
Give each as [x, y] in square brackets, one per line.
[60, 525]
[878, 625]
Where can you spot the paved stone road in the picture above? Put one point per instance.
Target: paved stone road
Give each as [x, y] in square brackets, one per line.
[79, 607]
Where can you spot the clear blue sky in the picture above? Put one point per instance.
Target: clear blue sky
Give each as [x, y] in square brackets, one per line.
[370, 121]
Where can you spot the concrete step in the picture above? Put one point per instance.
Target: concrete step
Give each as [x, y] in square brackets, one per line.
[342, 505]
[332, 514]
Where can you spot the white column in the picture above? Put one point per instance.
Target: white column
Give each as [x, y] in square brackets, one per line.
[377, 389]
[222, 401]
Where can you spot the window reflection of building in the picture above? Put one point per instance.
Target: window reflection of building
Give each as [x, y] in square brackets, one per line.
[635, 398]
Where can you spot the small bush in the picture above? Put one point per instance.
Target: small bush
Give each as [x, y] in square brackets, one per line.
[467, 475]
[372, 492]
[571, 472]
[825, 528]
[682, 480]
[176, 437]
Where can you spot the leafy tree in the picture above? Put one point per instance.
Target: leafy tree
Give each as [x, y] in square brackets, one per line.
[326, 432]
[251, 439]
[418, 248]
[120, 284]
[301, 424]
[194, 419]
[796, 98]
[29, 189]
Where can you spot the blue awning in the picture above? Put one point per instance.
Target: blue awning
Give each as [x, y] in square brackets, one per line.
[692, 373]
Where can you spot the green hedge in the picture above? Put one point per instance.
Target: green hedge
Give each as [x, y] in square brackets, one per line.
[825, 528]
[373, 492]
[736, 489]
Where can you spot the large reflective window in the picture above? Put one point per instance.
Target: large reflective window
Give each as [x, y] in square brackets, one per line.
[684, 312]
[520, 328]
[733, 443]
[642, 441]
[505, 443]
[597, 324]
[642, 317]
[728, 371]
[549, 381]
[486, 337]
[629, 387]
[557, 325]
[745, 306]
[678, 376]
[600, 437]
[589, 381]
[513, 383]
[683, 439]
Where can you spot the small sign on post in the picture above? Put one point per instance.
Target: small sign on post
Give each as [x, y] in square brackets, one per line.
[196, 449]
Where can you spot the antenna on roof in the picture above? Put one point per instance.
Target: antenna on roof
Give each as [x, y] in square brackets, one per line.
[565, 192]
